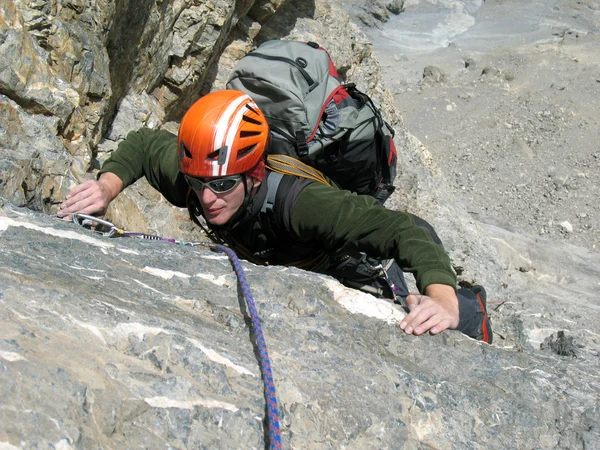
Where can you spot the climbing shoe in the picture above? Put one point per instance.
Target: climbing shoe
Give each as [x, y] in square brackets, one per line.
[474, 319]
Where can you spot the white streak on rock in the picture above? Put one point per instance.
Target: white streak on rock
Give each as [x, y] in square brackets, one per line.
[515, 368]
[85, 268]
[6, 222]
[149, 287]
[220, 281]
[94, 329]
[537, 336]
[7, 446]
[138, 329]
[63, 444]
[568, 321]
[94, 278]
[214, 256]
[164, 274]
[214, 356]
[541, 373]
[164, 402]
[149, 351]
[358, 302]
[126, 250]
[113, 307]
[11, 357]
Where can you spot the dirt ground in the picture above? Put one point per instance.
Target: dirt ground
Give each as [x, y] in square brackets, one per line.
[506, 96]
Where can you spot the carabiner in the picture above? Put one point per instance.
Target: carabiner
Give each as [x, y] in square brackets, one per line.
[96, 224]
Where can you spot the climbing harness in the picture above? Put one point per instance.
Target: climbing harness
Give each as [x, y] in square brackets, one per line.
[108, 229]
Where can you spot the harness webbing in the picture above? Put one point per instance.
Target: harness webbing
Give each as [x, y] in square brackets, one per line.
[288, 165]
[263, 355]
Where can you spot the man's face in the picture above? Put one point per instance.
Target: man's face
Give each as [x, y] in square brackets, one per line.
[219, 207]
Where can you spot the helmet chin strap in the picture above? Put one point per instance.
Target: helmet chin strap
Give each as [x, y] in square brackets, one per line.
[244, 207]
[248, 195]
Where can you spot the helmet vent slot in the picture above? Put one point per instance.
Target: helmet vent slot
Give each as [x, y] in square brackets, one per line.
[252, 120]
[244, 151]
[251, 108]
[184, 151]
[246, 133]
[212, 156]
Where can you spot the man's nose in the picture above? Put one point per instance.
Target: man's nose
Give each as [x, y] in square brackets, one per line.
[207, 195]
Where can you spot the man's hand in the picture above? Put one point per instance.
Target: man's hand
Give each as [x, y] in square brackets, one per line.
[434, 312]
[91, 197]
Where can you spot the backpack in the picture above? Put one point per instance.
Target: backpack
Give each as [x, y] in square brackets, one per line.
[316, 121]
[322, 129]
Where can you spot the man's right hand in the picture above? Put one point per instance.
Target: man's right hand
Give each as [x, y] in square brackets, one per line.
[434, 312]
[91, 197]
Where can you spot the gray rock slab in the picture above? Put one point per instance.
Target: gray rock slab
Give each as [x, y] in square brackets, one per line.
[127, 343]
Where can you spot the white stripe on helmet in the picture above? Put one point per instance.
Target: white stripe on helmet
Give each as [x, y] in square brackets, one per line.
[225, 133]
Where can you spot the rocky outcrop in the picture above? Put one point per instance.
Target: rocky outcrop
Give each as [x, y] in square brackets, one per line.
[124, 343]
[77, 77]
[374, 13]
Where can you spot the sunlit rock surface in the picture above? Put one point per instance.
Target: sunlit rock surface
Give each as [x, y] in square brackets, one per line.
[125, 343]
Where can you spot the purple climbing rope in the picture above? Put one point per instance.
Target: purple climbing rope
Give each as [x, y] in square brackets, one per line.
[263, 354]
[265, 363]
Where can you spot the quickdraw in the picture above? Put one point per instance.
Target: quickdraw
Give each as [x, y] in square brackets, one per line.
[108, 229]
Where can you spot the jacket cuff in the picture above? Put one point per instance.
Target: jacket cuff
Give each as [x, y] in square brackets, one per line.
[125, 176]
[436, 277]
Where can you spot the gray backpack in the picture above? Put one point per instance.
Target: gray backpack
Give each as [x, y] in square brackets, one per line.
[316, 119]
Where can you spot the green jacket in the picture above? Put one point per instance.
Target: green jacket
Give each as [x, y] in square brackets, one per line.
[313, 216]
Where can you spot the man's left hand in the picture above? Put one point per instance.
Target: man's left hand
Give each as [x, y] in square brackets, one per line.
[434, 312]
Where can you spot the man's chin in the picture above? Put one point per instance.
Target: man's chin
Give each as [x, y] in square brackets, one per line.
[217, 223]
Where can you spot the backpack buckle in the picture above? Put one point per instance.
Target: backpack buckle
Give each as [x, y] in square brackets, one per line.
[301, 144]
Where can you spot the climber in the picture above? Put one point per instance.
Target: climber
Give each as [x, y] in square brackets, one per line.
[216, 168]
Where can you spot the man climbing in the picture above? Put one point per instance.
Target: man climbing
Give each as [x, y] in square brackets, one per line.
[216, 168]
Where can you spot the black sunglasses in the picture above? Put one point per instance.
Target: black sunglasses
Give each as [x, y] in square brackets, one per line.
[218, 185]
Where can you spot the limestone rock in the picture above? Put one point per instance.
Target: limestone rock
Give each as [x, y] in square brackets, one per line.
[432, 74]
[135, 111]
[33, 161]
[374, 13]
[124, 343]
[26, 74]
[566, 226]
[395, 6]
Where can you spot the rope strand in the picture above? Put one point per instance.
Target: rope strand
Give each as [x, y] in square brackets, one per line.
[265, 363]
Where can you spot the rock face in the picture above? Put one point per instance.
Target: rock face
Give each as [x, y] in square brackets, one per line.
[123, 343]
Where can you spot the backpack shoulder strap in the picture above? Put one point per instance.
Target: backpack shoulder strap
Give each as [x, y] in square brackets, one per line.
[273, 181]
[282, 192]
[316, 261]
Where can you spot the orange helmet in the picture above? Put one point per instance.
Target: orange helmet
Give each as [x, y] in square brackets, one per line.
[223, 133]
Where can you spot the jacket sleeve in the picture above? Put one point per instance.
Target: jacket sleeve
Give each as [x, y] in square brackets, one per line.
[151, 154]
[344, 222]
